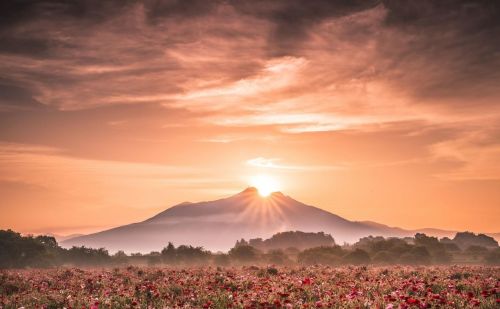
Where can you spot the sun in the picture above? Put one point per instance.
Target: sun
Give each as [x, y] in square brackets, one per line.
[265, 184]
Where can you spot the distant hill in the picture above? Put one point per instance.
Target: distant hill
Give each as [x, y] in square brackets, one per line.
[216, 225]
[61, 238]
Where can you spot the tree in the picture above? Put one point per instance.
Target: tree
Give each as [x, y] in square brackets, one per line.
[243, 253]
[384, 258]
[357, 257]
[169, 253]
[436, 248]
[297, 239]
[18, 251]
[466, 239]
[321, 255]
[417, 255]
[493, 257]
[191, 255]
[222, 259]
[277, 257]
[87, 256]
[120, 257]
[476, 251]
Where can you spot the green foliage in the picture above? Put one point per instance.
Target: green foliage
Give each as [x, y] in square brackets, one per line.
[383, 258]
[297, 239]
[357, 257]
[277, 257]
[451, 247]
[222, 259]
[466, 239]
[493, 257]
[87, 256]
[120, 258]
[184, 255]
[321, 255]
[273, 271]
[417, 255]
[17, 251]
[373, 245]
[243, 253]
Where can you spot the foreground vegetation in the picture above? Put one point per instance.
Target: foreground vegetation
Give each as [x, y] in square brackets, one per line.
[308, 270]
[286, 249]
[253, 287]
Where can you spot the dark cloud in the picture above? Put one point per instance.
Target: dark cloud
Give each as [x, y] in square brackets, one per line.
[431, 50]
[24, 46]
[158, 9]
[13, 96]
[29, 27]
[293, 19]
[471, 15]
[14, 12]
[443, 49]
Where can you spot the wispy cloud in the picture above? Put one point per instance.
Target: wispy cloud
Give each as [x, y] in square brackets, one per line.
[475, 154]
[274, 163]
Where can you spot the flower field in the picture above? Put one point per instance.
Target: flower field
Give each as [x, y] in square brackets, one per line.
[253, 287]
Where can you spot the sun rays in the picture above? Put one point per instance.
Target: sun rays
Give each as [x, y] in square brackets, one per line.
[265, 184]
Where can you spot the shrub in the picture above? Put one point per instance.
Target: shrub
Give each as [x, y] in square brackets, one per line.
[357, 257]
[383, 257]
[243, 253]
[321, 255]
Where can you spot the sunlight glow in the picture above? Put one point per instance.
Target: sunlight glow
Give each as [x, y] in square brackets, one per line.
[265, 184]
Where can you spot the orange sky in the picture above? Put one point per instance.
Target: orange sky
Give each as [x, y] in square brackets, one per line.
[372, 110]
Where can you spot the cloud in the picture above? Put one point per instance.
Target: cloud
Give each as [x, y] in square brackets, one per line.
[273, 163]
[441, 51]
[14, 13]
[15, 97]
[176, 52]
[293, 21]
[475, 155]
[276, 74]
[154, 68]
[159, 9]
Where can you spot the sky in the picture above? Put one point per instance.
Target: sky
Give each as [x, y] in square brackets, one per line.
[112, 111]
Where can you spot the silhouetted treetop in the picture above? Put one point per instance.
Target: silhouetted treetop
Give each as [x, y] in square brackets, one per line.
[296, 239]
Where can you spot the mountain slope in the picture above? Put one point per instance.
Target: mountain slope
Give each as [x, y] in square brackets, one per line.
[216, 225]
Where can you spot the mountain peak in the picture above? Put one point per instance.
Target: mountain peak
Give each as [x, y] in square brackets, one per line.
[250, 190]
[254, 191]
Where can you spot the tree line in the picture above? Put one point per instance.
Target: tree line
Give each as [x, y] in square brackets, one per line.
[18, 251]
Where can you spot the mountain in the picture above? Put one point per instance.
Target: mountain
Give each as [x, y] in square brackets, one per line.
[216, 225]
[61, 238]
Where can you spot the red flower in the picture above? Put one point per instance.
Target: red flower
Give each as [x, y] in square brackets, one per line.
[412, 301]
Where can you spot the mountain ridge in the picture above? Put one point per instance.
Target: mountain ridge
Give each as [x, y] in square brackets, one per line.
[216, 225]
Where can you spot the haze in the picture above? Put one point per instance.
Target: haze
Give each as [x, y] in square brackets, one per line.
[112, 111]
